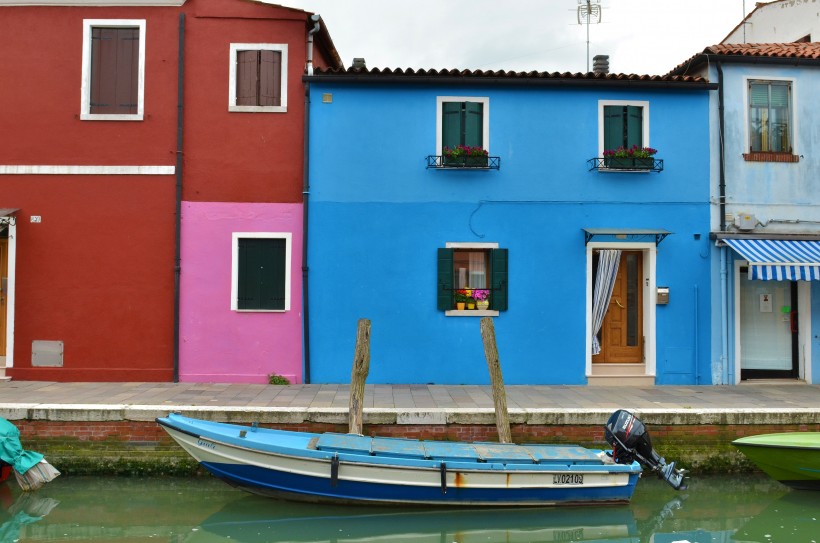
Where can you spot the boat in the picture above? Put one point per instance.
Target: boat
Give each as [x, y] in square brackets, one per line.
[351, 468]
[30, 468]
[792, 458]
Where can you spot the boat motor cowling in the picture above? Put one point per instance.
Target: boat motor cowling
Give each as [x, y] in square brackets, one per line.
[630, 441]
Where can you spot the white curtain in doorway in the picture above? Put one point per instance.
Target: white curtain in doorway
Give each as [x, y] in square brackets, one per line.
[602, 291]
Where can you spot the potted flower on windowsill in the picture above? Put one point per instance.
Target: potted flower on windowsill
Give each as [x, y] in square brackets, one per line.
[465, 156]
[631, 158]
[461, 296]
[482, 298]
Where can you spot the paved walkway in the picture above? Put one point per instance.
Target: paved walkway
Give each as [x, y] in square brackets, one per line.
[746, 396]
[762, 402]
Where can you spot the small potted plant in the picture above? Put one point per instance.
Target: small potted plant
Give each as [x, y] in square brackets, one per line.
[461, 298]
[454, 156]
[476, 157]
[482, 298]
[630, 158]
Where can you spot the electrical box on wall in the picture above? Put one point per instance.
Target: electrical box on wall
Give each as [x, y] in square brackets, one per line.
[47, 353]
[745, 221]
[662, 297]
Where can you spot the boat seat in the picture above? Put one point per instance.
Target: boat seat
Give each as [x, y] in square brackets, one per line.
[573, 454]
[444, 451]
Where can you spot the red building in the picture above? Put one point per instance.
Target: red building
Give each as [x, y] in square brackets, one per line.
[118, 118]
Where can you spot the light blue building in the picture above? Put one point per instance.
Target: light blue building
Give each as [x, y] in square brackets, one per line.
[597, 269]
[765, 214]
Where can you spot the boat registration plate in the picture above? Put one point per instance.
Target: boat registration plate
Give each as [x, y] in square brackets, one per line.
[567, 479]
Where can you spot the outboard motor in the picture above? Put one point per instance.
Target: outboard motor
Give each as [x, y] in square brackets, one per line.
[630, 441]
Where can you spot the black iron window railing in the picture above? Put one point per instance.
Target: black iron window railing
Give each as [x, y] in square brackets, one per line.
[631, 164]
[464, 162]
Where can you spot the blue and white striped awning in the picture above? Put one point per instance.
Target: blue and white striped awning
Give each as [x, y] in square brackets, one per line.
[779, 259]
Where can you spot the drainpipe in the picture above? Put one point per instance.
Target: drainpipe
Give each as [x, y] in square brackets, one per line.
[724, 275]
[315, 18]
[178, 170]
[722, 165]
[305, 199]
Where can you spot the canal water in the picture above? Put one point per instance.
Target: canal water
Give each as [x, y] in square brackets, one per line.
[745, 508]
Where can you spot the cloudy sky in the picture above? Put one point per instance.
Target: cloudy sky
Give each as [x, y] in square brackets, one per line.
[640, 36]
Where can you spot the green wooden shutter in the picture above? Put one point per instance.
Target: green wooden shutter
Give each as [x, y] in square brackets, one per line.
[444, 290]
[451, 124]
[634, 126]
[613, 127]
[780, 95]
[473, 124]
[758, 95]
[261, 273]
[498, 265]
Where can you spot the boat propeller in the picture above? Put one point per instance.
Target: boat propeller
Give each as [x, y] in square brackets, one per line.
[630, 441]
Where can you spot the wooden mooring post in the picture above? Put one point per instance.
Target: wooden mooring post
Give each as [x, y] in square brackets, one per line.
[502, 418]
[361, 367]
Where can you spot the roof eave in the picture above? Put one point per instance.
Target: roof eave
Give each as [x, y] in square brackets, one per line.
[398, 79]
[701, 60]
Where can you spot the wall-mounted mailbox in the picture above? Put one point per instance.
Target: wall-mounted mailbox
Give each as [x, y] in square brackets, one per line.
[663, 296]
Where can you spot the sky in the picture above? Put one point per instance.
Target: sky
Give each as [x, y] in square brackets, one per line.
[640, 36]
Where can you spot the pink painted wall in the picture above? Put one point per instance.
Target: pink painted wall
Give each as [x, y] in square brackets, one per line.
[220, 345]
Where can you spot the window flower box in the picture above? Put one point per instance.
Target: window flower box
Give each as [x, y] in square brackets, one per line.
[632, 158]
[629, 163]
[464, 156]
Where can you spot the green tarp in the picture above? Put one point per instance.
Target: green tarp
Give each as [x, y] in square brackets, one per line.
[11, 451]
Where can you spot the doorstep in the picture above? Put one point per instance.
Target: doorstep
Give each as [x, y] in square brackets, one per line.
[620, 375]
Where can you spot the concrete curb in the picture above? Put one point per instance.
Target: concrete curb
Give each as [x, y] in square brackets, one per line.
[400, 416]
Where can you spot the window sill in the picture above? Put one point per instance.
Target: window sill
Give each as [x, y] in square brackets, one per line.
[759, 156]
[258, 109]
[471, 313]
[111, 117]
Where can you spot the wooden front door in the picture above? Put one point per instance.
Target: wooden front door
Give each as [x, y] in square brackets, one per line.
[4, 267]
[621, 334]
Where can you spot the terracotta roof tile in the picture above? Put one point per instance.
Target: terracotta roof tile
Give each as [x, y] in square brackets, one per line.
[412, 73]
[797, 50]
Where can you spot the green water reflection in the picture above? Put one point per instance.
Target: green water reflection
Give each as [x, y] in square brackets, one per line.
[741, 509]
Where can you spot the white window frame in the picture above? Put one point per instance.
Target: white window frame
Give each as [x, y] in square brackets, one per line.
[648, 282]
[485, 121]
[235, 237]
[85, 89]
[471, 312]
[644, 128]
[235, 48]
[793, 107]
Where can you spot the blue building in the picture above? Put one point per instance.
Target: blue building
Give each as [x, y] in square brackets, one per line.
[595, 266]
[765, 215]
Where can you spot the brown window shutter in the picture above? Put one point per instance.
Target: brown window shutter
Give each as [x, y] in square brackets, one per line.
[270, 78]
[247, 77]
[114, 70]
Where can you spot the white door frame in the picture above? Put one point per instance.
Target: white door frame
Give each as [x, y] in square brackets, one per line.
[12, 256]
[803, 326]
[648, 281]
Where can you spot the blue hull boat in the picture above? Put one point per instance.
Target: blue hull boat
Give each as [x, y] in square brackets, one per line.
[348, 468]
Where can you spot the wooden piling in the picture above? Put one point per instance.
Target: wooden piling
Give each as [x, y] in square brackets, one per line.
[361, 367]
[502, 419]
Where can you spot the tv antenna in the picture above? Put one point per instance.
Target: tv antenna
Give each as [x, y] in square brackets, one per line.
[588, 13]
